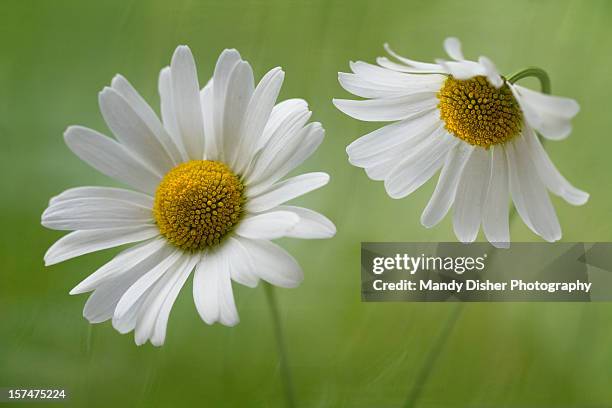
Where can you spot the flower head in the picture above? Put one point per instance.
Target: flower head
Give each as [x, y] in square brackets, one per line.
[209, 196]
[478, 128]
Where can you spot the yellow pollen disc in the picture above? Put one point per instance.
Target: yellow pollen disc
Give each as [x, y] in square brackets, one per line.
[197, 203]
[478, 113]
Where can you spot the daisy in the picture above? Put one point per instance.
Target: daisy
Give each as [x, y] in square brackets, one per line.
[209, 194]
[475, 125]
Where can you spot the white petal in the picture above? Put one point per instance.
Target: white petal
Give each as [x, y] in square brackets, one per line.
[295, 151]
[148, 305]
[286, 190]
[129, 196]
[425, 66]
[514, 184]
[257, 115]
[83, 242]
[462, 69]
[152, 324]
[95, 213]
[495, 222]
[120, 264]
[186, 99]
[271, 225]
[237, 98]
[101, 304]
[159, 333]
[132, 131]
[385, 140]
[387, 109]
[273, 264]
[444, 194]
[279, 148]
[377, 84]
[420, 164]
[221, 77]
[312, 225]
[491, 72]
[380, 171]
[389, 79]
[127, 321]
[549, 174]
[241, 265]
[144, 283]
[549, 115]
[529, 194]
[144, 314]
[168, 111]
[144, 111]
[363, 88]
[391, 65]
[551, 104]
[452, 46]
[110, 158]
[304, 145]
[470, 196]
[281, 113]
[213, 142]
[380, 166]
[289, 146]
[212, 290]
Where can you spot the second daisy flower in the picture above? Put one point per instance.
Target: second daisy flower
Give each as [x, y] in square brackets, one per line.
[478, 127]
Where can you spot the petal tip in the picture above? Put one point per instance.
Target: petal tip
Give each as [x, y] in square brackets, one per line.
[230, 51]
[116, 79]
[182, 52]
[49, 258]
[155, 342]
[324, 178]
[582, 198]
[340, 104]
[426, 223]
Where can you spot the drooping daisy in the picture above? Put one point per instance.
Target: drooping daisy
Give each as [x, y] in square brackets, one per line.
[210, 195]
[478, 127]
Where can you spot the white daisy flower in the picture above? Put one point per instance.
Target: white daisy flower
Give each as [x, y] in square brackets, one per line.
[210, 196]
[478, 127]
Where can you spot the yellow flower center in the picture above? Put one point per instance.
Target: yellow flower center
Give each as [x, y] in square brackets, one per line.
[197, 203]
[478, 113]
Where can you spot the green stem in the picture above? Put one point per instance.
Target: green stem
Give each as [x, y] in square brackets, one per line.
[538, 73]
[424, 374]
[432, 356]
[281, 348]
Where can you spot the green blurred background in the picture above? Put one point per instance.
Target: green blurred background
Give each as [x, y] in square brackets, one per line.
[56, 56]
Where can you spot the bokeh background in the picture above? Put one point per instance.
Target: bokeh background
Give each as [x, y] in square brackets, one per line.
[56, 56]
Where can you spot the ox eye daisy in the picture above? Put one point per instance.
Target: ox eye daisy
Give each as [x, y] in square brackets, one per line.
[474, 126]
[209, 194]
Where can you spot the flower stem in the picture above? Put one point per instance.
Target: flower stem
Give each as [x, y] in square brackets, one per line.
[424, 374]
[538, 73]
[281, 348]
[432, 356]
